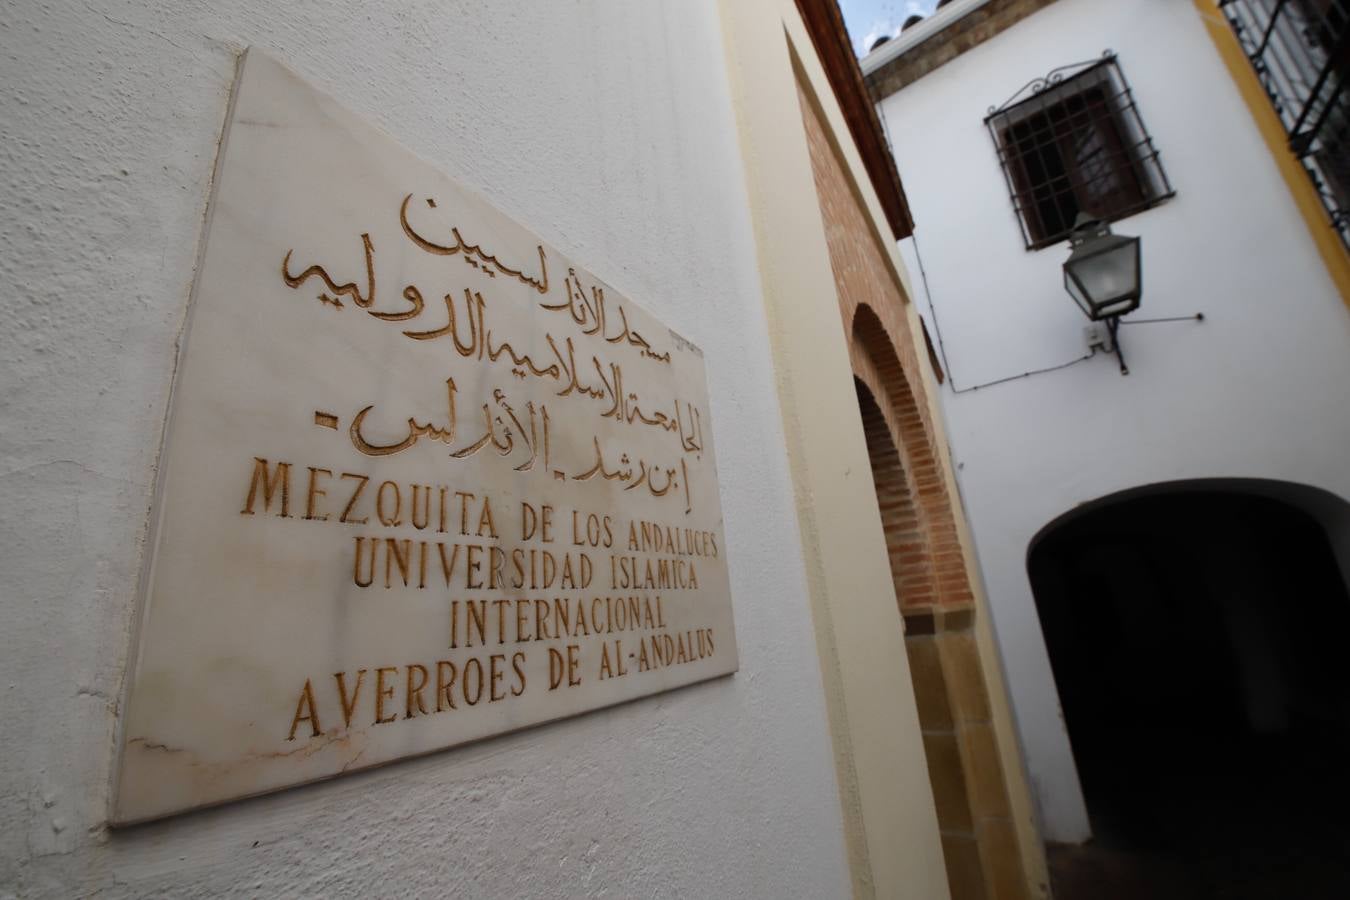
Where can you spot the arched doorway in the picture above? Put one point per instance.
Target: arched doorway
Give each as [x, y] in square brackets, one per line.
[1197, 635]
[965, 771]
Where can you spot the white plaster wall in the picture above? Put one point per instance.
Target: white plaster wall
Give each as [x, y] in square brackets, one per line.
[1260, 390]
[605, 126]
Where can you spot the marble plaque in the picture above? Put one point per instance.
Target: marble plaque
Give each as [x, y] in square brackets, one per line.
[426, 479]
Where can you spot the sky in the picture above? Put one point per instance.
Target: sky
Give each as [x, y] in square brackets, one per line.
[868, 20]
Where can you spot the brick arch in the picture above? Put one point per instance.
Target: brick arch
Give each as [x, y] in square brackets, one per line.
[928, 570]
[878, 367]
[906, 543]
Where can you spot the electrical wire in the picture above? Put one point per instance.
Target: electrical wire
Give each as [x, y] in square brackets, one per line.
[942, 347]
[1073, 362]
[1198, 317]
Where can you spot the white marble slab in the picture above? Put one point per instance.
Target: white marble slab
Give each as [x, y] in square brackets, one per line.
[426, 479]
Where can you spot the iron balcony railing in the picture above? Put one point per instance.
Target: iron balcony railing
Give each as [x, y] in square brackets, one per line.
[1300, 50]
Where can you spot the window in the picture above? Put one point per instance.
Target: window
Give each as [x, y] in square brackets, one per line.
[1075, 145]
[1301, 52]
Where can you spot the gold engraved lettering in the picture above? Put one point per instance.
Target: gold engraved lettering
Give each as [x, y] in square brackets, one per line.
[464, 499]
[522, 620]
[356, 563]
[336, 290]
[356, 495]
[504, 430]
[414, 297]
[426, 507]
[396, 518]
[477, 620]
[485, 520]
[415, 433]
[541, 629]
[448, 565]
[305, 711]
[414, 692]
[562, 614]
[381, 692]
[280, 477]
[473, 253]
[474, 340]
[496, 560]
[562, 667]
[473, 306]
[349, 703]
[314, 494]
[518, 664]
[474, 694]
[475, 564]
[573, 662]
[445, 685]
[536, 522]
[398, 553]
[495, 674]
[591, 316]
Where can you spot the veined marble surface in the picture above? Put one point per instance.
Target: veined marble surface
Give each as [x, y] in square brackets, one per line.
[426, 480]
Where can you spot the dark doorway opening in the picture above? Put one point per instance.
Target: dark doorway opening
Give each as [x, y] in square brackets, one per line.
[1198, 638]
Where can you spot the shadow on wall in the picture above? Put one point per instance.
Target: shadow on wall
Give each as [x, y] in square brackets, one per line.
[1197, 635]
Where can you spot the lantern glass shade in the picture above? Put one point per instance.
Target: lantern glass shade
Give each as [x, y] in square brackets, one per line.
[1102, 275]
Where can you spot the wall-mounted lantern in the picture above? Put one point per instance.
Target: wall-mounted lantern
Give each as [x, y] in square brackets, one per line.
[1102, 275]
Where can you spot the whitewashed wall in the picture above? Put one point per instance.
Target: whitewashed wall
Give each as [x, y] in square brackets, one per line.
[606, 127]
[1260, 390]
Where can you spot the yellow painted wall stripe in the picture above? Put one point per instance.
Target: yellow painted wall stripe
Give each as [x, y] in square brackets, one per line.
[1329, 244]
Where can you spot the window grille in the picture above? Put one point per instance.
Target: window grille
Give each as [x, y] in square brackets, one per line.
[1073, 141]
[1300, 50]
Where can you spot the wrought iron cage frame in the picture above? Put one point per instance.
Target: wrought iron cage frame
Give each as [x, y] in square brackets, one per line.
[1140, 155]
[1308, 85]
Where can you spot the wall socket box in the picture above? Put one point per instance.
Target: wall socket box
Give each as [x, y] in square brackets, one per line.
[1098, 337]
